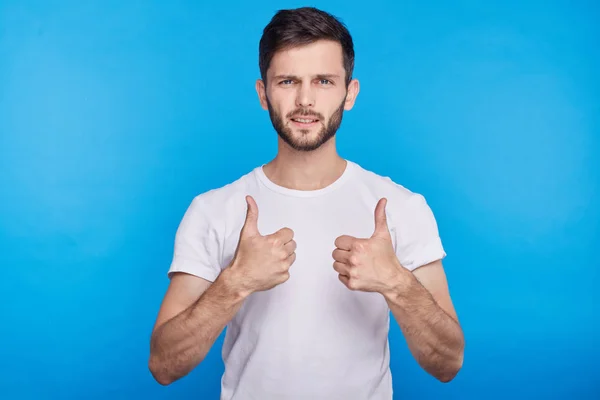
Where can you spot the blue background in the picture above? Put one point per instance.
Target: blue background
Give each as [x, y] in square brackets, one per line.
[114, 114]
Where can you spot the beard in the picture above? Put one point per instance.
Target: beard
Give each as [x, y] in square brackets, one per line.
[304, 142]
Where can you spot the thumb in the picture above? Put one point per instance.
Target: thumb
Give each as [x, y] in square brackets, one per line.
[250, 227]
[381, 227]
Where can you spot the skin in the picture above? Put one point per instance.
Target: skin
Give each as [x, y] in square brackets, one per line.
[419, 300]
[307, 81]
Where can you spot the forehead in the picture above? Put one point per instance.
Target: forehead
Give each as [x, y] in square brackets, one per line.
[322, 57]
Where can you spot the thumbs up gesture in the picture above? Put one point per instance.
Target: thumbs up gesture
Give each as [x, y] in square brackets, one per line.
[262, 262]
[368, 265]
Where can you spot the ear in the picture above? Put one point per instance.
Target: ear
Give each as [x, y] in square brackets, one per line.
[353, 89]
[262, 93]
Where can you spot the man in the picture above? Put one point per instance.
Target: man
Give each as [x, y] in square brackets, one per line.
[304, 257]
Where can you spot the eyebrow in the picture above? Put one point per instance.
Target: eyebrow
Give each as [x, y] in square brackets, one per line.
[318, 76]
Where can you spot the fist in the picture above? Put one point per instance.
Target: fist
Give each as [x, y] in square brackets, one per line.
[262, 262]
[370, 264]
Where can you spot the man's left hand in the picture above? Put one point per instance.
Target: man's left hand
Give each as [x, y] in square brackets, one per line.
[369, 265]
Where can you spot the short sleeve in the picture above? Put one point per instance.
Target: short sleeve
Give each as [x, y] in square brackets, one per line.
[197, 243]
[416, 232]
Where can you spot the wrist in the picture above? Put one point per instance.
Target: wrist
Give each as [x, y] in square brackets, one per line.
[233, 283]
[399, 286]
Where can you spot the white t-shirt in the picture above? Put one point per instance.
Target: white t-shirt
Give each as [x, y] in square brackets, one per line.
[310, 337]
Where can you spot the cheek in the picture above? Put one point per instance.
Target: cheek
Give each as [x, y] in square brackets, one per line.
[282, 100]
[334, 102]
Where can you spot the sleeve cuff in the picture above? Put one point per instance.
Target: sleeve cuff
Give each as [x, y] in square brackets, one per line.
[180, 264]
[424, 255]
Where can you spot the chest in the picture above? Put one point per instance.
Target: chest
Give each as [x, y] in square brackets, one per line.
[316, 225]
[314, 285]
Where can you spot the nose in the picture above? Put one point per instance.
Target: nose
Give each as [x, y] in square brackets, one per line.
[305, 96]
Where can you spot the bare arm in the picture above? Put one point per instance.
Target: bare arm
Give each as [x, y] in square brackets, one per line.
[195, 312]
[423, 309]
[187, 325]
[419, 300]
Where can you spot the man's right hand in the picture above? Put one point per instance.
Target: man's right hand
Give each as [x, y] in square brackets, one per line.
[261, 262]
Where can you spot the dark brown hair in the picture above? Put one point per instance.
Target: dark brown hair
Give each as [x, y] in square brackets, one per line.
[301, 26]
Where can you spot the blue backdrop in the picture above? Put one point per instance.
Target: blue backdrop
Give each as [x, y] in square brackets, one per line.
[114, 114]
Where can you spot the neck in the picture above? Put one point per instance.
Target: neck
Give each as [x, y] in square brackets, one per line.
[311, 170]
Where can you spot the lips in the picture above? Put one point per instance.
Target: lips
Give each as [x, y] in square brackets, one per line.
[305, 120]
[304, 123]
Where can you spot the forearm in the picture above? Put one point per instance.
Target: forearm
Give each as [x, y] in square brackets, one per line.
[434, 338]
[181, 343]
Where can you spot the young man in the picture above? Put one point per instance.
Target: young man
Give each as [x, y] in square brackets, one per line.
[303, 258]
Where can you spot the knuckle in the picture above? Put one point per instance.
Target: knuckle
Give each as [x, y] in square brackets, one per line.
[334, 256]
[358, 246]
[352, 284]
[291, 259]
[353, 259]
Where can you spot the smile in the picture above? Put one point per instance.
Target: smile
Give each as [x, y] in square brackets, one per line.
[304, 122]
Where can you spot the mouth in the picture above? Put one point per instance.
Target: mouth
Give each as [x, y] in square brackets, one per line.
[304, 122]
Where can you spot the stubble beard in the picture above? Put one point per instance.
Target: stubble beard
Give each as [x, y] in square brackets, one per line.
[302, 143]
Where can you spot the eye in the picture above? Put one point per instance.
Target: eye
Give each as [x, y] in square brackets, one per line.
[286, 82]
[325, 81]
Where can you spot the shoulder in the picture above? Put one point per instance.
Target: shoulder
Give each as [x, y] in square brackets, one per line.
[215, 201]
[397, 195]
[406, 209]
[213, 212]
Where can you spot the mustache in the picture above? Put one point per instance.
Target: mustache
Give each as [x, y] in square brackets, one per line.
[304, 113]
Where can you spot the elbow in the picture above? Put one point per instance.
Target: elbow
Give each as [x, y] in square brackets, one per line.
[164, 373]
[451, 370]
[447, 376]
[158, 372]
[163, 380]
